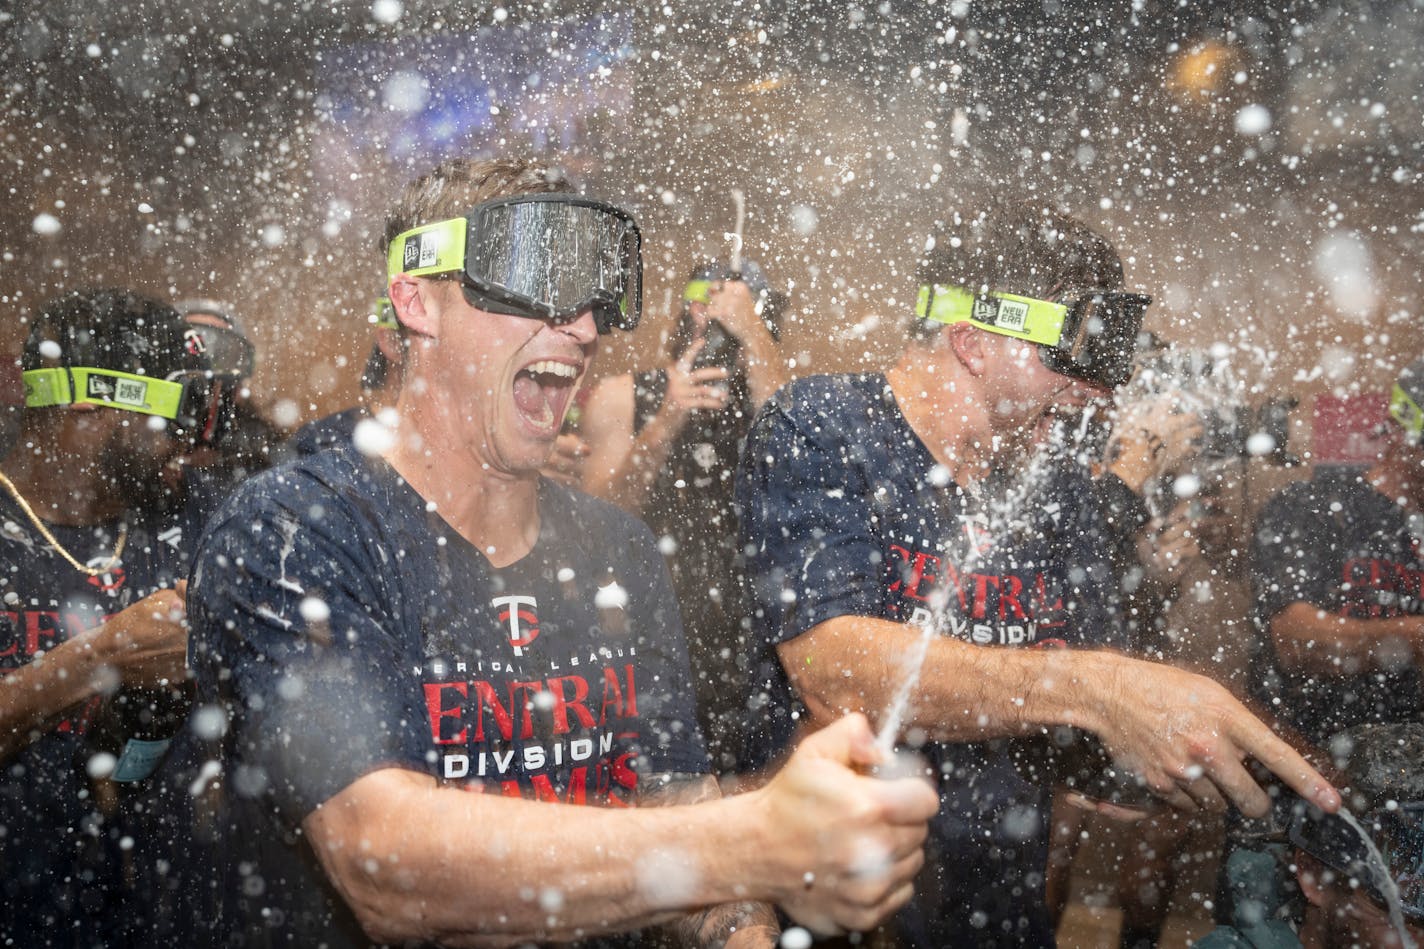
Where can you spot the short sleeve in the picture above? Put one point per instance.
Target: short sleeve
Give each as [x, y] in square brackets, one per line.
[287, 637]
[806, 521]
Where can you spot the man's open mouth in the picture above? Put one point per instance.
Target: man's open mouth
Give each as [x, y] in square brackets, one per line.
[542, 390]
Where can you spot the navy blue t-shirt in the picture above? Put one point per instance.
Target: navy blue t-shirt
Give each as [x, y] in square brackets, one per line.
[1338, 544]
[329, 431]
[75, 870]
[346, 628]
[846, 513]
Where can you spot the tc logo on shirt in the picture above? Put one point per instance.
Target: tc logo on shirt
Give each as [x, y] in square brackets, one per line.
[518, 613]
[110, 580]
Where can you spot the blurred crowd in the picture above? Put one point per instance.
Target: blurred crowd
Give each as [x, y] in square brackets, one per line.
[1019, 568]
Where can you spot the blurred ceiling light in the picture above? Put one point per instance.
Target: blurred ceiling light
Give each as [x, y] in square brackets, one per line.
[1202, 71]
[766, 84]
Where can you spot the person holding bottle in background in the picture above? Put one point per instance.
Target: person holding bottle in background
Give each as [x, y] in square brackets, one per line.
[664, 444]
[93, 623]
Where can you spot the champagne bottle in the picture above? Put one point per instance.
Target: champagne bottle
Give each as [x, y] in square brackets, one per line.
[137, 726]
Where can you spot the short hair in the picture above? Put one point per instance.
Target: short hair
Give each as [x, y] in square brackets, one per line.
[1019, 247]
[458, 184]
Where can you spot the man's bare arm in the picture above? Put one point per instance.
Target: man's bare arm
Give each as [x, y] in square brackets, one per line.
[1313, 640]
[743, 924]
[732, 305]
[1184, 734]
[142, 644]
[414, 860]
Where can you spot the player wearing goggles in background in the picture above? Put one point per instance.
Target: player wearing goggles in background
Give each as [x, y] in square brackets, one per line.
[663, 443]
[93, 603]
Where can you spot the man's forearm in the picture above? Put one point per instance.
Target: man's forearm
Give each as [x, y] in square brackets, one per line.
[766, 369]
[628, 481]
[964, 692]
[630, 869]
[1310, 639]
[1184, 734]
[38, 694]
[717, 925]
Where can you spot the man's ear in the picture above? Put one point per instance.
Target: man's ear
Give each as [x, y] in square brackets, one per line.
[407, 297]
[969, 344]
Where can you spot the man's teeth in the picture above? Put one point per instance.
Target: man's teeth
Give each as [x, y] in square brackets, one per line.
[551, 367]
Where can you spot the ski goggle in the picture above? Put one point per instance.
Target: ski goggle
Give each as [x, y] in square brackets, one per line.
[543, 256]
[1396, 829]
[186, 398]
[1404, 410]
[1091, 337]
[227, 351]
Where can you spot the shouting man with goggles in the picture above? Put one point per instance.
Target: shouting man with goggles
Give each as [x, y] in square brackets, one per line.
[390, 632]
[886, 518]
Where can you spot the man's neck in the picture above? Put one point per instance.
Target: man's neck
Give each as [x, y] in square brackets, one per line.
[61, 487]
[495, 511]
[948, 415]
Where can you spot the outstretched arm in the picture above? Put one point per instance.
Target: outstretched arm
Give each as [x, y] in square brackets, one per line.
[413, 859]
[1184, 734]
[1310, 639]
[743, 924]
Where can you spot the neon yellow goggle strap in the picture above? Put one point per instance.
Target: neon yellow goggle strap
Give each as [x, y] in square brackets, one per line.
[697, 291]
[117, 390]
[383, 314]
[1406, 412]
[428, 249]
[1036, 321]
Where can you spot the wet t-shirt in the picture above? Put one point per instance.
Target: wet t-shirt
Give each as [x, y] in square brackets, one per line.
[328, 431]
[346, 628]
[1338, 544]
[846, 513]
[64, 870]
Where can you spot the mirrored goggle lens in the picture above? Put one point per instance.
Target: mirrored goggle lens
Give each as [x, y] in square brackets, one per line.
[558, 258]
[1100, 338]
[227, 351]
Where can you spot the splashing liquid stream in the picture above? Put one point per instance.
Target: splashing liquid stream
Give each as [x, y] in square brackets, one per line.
[1379, 873]
[1003, 517]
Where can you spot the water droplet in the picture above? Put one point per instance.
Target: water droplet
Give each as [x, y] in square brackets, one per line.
[1253, 120]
